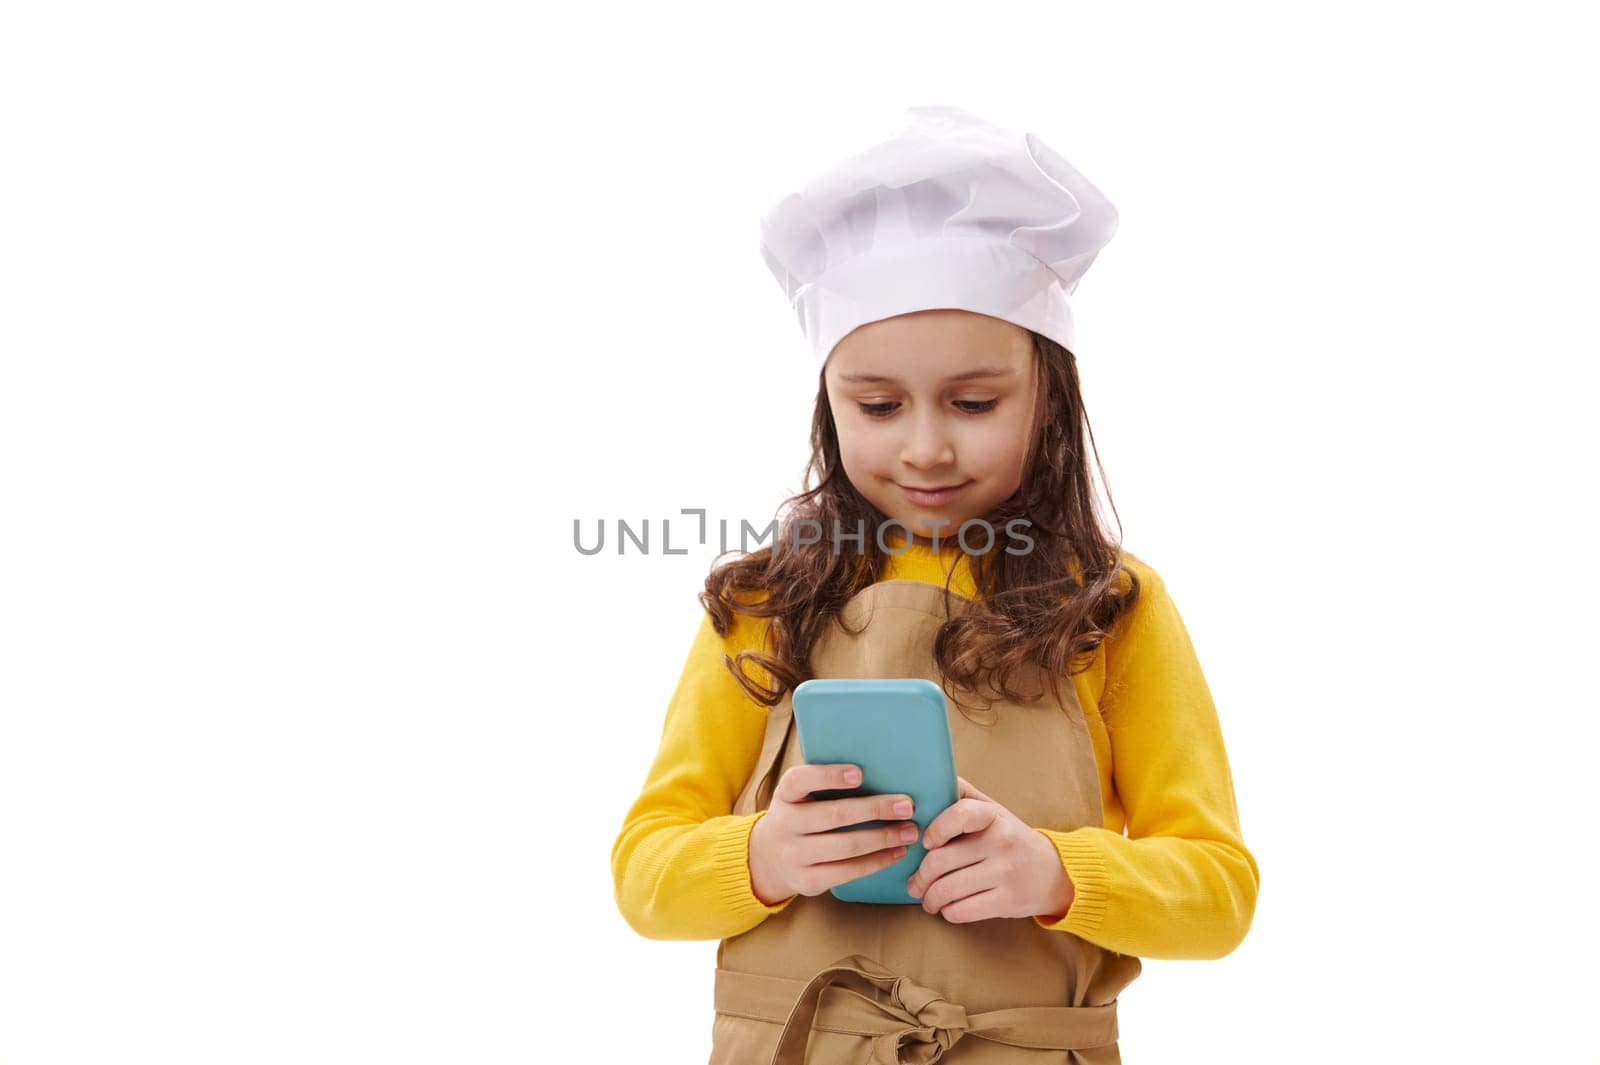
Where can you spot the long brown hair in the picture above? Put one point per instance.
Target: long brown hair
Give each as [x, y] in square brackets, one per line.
[1049, 606]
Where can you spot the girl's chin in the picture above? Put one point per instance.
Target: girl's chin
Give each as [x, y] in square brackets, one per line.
[924, 532]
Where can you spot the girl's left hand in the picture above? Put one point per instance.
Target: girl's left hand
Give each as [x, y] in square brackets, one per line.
[983, 862]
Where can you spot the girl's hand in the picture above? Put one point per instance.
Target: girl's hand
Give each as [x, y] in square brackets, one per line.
[984, 862]
[792, 850]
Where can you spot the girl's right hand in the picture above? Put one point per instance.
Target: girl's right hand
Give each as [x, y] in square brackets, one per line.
[792, 851]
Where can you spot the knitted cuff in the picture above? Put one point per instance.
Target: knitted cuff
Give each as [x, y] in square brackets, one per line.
[1086, 868]
[730, 864]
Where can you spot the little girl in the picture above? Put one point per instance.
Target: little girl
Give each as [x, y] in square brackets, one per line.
[950, 532]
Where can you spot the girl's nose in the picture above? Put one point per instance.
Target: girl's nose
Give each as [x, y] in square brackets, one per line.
[928, 444]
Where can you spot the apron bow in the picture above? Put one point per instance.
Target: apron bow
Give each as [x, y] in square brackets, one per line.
[911, 1024]
[933, 1023]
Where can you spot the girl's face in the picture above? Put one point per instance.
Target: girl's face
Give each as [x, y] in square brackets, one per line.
[934, 399]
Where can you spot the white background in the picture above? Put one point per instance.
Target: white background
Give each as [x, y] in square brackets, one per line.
[320, 323]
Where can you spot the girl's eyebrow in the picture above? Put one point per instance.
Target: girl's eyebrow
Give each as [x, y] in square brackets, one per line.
[982, 371]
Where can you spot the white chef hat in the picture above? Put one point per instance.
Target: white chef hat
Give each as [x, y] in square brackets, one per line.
[950, 212]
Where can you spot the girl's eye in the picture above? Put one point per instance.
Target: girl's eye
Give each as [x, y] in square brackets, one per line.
[970, 406]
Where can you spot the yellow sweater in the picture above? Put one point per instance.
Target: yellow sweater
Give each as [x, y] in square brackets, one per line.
[1179, 884]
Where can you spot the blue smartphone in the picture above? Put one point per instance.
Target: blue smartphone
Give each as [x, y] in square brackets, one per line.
[898, 731]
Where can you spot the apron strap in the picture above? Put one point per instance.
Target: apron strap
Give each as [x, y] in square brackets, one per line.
[911, 1024]
[764, 780]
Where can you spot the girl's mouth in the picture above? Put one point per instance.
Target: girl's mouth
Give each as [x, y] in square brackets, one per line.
[934, 497]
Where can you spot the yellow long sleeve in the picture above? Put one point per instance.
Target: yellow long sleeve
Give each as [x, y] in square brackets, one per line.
[681, 864]
[1181, 884]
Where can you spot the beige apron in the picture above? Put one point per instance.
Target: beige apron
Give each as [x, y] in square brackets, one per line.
[864, 983]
